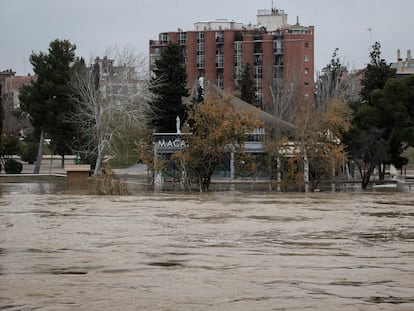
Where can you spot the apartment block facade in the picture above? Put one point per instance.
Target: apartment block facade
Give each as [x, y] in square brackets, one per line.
[281, 56]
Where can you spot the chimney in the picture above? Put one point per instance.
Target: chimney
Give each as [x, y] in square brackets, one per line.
[409, 56]
[398, 55]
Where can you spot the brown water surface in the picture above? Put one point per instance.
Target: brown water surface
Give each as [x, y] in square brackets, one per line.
[220, 251]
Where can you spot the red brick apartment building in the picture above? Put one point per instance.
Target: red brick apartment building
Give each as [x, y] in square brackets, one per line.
[281, 55]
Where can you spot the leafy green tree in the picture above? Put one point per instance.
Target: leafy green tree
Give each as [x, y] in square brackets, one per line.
[170, 86]
[370, 139]
[47, 100]
[246, 85]
[376, 75]
[383, 130]
[11, 145]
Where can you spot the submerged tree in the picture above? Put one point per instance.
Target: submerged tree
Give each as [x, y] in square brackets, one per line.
[218, 129]
[170, 85]
[108, 108]
[377, 132]
[46, 99]
[382, 130]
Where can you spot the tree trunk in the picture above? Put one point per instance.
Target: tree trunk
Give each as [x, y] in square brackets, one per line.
[381, 171]
[98, 162]
[367, 176]
[39, 153]
[63, 160]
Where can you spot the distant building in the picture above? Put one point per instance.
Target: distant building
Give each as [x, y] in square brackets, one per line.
[15, 121]
[404, 67]
[113, 78]
[281, 55]
[10, 85]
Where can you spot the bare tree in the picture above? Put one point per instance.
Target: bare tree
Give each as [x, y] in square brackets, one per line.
[111, 100]
[285, 95]
[335, 82]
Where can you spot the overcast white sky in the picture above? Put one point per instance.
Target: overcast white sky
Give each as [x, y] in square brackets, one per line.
[94, 25]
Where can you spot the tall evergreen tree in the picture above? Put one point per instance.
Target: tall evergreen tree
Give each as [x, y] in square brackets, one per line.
[170, 86]
[382, 123]
[376, 74]
[246, 85]
[47, 99]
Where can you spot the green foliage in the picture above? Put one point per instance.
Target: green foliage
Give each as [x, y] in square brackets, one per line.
[169, 85]
[12, 166]
[247, 85]
[376, 75]
[376, 132]
[47, 99]
[29, 153]
[383, 129]
[11, 146]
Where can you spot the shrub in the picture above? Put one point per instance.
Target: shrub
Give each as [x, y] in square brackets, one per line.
[12, 166]
[30, 152]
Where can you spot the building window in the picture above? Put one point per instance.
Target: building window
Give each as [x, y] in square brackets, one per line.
[306, 44]
[219, 36]
[201, 61]
[278, 47]
[164, 38]
[278, 72]
[201, 37]
[306, 58]
[220, 81]
[183, 38]
[238, 60]
[258, 60]
[259, 97]
[278, 60]
[220, 60]
[184, 50]
[306, 96]
[258, 48]
[238, 71]
[306, 71]
[201, 49]
[258, 72]
[307, 83]
[238, 47]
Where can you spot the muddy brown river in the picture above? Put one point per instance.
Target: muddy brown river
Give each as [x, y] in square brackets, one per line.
[220, 251]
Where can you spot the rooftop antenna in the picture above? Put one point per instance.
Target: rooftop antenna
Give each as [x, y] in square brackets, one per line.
[24, 65]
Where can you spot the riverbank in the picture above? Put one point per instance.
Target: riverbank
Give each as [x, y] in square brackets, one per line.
[138, 179]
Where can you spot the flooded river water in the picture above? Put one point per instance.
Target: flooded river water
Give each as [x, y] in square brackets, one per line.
[220, 251]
